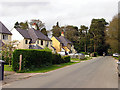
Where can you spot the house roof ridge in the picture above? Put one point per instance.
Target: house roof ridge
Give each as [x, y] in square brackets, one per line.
[4, 29]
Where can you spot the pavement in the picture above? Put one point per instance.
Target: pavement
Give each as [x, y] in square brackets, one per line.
[13, 76]
[96, 73]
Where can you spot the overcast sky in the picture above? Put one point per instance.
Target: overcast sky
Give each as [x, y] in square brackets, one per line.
[67, 12]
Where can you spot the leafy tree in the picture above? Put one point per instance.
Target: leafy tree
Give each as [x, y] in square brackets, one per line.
[83, 32]
[112, 35]
[38, 23]
[17, 25]
[97, 35]
[22, 25]
[57, 30]
[70, 32]
[44, 31]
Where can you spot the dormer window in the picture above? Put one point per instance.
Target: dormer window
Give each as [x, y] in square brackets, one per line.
[5, 37]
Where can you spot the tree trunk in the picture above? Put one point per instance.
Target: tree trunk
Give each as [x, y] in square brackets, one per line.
[85, 48]
[94, 47]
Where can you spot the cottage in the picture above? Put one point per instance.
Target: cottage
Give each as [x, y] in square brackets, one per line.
[5, 34]
[30, 39]
[62, 44]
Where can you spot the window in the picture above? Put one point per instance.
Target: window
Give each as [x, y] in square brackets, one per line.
[26, 41]
[5, 37]
[47, 43]
[38, 42]
[41, 42]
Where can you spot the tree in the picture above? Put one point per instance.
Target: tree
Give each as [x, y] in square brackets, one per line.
[44, 31]
[21, 25]
[57, 30]
[17, 25]
[112, 34]
[7, 50]
[24, 25]
[97, 35]
[38, 23]
[84, 36]
[70, 32]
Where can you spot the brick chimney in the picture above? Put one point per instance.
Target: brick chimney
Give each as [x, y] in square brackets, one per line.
[62, 34]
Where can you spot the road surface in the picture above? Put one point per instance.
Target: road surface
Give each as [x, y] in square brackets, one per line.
[97, 73]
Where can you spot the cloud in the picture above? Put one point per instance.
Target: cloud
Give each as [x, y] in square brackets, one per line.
[73, 12]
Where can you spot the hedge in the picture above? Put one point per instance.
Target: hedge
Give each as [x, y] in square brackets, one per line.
[36, 58]
[31, 58]
[57, 59]
[94, 54]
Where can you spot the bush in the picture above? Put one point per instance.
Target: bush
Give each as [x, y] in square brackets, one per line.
[94, 54]
[57, 59]
[31, 58]
[85, 53]
[66, 59]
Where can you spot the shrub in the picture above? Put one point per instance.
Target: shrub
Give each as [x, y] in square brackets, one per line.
[31, 58]
[57, 59]
[85, 53]
[94, 54]
[66, 59]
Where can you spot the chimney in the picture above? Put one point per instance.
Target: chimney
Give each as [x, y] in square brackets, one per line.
[62, 34]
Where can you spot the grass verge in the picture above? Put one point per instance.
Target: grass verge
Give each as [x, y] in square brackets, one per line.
[79, 60]
[48, 68]
[7, 68]
[42, 69]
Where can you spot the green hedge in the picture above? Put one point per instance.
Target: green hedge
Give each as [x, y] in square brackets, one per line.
[85, 53]
[66, 59]
[94, 54]
[31, 58]
[57, 59]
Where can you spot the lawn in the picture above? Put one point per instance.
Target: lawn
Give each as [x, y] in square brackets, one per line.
[49, 68]
[42, 69]
[76, 59]
[116, 58]
[7, 68]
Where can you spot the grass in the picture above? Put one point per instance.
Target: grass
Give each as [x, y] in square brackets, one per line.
[116, 58]
[48, 68]
[7, 68]
[76, 59]
[42, 69]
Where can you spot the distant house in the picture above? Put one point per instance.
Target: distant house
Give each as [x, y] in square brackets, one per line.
[62, 44]
[30, 39]
[5, 34]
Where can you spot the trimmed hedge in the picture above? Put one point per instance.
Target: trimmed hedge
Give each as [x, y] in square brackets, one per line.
[36, 58]
[31, 58]
[94, 54]
[66, 59]
[57, 59]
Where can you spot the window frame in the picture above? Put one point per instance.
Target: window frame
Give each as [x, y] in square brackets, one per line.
[37, 41]
[5, 37]
[41, 42]
[26, 41]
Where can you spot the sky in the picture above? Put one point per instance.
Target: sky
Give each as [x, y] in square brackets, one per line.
[66, 12]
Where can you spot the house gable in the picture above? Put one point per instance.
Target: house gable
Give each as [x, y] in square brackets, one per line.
[4, 30]
[16, 35]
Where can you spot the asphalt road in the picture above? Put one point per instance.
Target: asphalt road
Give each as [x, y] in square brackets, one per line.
[97, 73]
